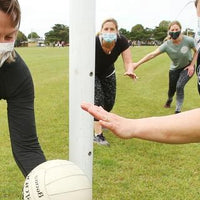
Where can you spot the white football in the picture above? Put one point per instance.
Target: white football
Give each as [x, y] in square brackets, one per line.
[57, 180]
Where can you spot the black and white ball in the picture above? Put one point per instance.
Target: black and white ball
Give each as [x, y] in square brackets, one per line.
[57, 180]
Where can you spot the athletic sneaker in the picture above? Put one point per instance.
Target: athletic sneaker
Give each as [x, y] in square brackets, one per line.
[101, 140]
[177, 111]
[168, 104]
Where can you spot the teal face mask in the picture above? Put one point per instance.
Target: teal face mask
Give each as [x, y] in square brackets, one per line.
[109, 37]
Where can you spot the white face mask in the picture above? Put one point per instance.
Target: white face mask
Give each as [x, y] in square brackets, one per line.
[5, 51]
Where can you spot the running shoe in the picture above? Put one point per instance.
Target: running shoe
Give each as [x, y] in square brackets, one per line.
[168, 103]
[101, 140]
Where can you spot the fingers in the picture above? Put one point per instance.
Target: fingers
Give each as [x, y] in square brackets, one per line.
[131, 75]
[190, 72]
[105, 124]
[85, 106]
[97, 111]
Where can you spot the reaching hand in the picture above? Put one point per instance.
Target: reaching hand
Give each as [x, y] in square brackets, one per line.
[130, 72]
[131, 75]
[118, 125]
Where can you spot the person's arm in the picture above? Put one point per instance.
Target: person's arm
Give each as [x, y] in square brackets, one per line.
[195, 54]
[191, 67]
[172, 129]
[127, 59]
[147, 58]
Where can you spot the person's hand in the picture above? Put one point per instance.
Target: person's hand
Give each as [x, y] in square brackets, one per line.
[131, 74]
[118, 125]
[190, 69]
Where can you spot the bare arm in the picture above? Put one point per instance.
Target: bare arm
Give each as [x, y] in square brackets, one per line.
[172, 129]
[191, 67]
[128, 64]
[147, 58]
[195, 55]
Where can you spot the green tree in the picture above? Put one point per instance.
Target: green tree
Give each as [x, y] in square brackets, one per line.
[60, 32]
[148, 35]
[160, 32]
[137, 32]
[20, 38]
[33, 35]
[125, 33]
[164, 24]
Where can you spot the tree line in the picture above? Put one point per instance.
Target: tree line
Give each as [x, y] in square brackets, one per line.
[60, 32]
[151, 36]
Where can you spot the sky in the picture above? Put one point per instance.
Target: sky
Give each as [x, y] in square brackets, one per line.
[41, 15]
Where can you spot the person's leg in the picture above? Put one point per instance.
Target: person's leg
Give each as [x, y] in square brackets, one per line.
[109, 89]
[183, 79]
[173, 78]
[99, 101]
[105, 93]
[198, 72]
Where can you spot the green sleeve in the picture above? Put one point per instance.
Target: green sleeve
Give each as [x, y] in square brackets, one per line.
[162, 47]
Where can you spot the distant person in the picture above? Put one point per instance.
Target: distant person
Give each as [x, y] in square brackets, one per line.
[109, 45]
[182, 128]
[16, 87]
[178, 47]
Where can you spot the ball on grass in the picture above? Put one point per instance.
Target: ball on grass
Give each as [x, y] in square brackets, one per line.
[57, 180]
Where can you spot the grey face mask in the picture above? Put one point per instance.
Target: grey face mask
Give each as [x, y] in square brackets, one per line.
[5, 51]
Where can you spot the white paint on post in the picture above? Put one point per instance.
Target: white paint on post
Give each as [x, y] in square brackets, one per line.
[81, 82]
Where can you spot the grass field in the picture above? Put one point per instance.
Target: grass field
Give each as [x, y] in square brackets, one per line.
[129, 169]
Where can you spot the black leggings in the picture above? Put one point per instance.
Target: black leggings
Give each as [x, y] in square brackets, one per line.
[105, 92]
[16, 87]
[177, 81]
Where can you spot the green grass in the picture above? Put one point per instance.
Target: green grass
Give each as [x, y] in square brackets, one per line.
[129, 169]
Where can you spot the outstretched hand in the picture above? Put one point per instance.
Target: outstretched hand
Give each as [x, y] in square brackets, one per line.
[131, 75]
[118, 125]
[130, 71]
